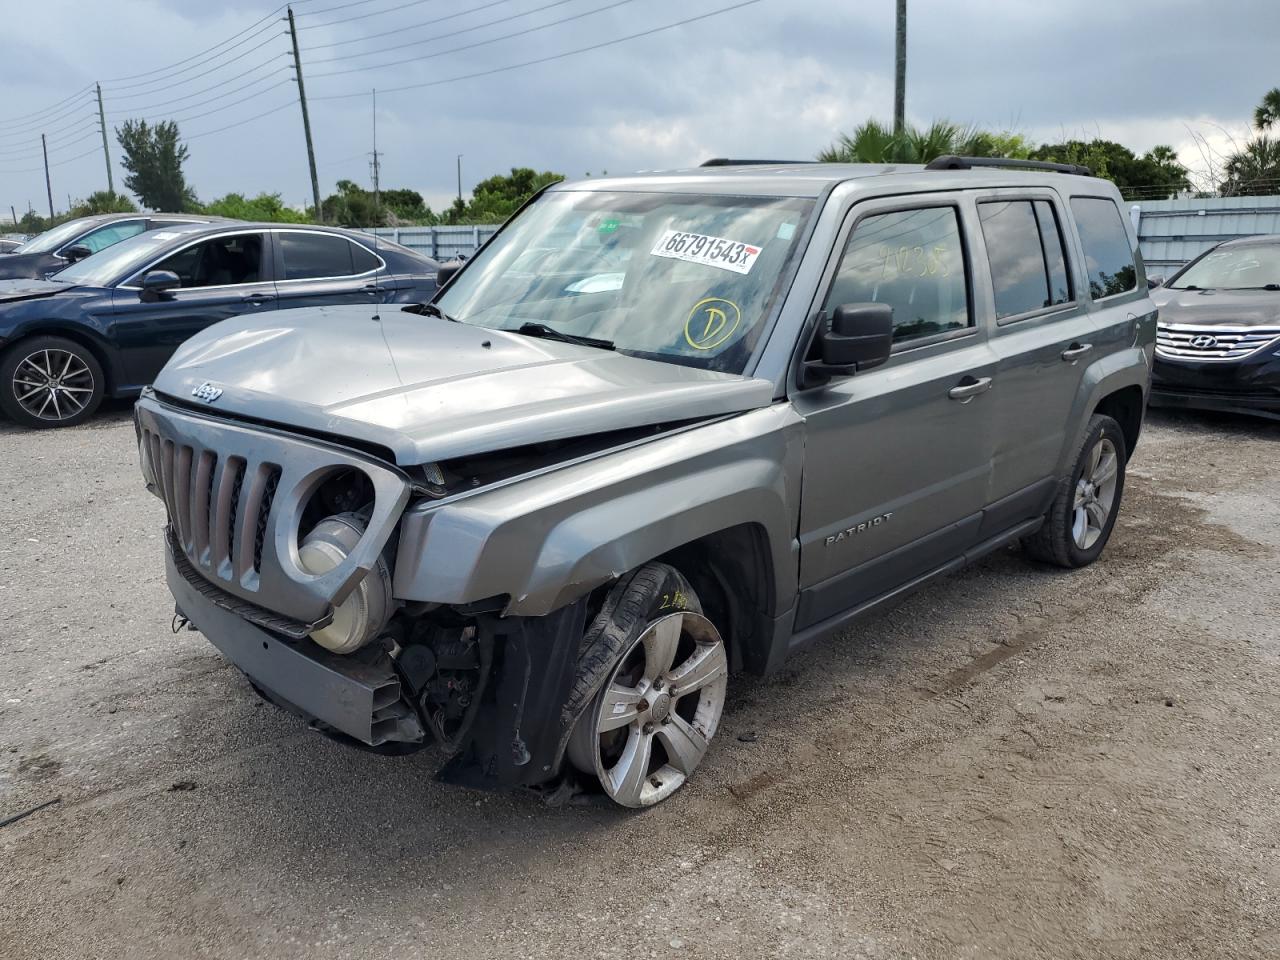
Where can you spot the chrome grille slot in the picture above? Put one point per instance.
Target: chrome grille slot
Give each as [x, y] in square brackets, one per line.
[203, 482]
[1181, 341]
[264, 511]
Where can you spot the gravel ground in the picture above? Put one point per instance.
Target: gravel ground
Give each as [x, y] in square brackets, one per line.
[1015, 762]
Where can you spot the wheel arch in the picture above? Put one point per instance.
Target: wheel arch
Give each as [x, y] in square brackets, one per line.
[1125, 406]
[79, 336]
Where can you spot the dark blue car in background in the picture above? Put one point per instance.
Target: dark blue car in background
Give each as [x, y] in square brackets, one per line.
[105, 326]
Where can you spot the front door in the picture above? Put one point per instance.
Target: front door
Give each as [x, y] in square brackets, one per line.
[222, 277]
[897, 458]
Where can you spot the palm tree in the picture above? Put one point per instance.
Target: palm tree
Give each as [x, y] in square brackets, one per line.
[875, 142]
[1255, 170]
[1267, 112]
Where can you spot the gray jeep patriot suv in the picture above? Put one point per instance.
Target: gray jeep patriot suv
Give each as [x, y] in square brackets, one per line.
[660, 429]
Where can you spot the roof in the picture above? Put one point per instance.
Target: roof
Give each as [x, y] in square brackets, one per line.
[814, 179]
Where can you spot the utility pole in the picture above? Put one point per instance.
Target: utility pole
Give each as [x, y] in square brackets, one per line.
[106, 154]
[459, 178]
[900, 73]
[48, 184]
[377, 197]
[306, 119]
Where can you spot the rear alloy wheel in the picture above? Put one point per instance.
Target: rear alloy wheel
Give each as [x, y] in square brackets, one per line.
[50, 382]
[651, 724]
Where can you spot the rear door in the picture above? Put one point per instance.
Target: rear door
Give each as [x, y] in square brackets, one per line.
[1043, 338]
[222, 277]
[316, 268]
[897, 458]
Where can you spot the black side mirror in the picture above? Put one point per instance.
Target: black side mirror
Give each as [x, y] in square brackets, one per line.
[77, 252]
[857, 336]
[447, 271]
[1153, 282]
[157, 283]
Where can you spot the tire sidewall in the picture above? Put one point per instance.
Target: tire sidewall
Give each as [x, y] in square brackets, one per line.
[8, 366]
[1102, 427]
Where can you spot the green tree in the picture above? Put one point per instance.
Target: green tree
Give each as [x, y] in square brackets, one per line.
[1254, 170]
[153, 156]
[497, 198]
[103, 201]
[264, 207]
[1156, 175]
[1267, 113]
[875, 142]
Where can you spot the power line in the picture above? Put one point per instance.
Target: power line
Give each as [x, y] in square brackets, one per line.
[35, 126]
[240, 123]
[466, 46]
[190, 96]
[364, 16]
[52, 107]
[240, 56]
[148, 73]
[455, 33]
[222, 96]
[558, 56]
[414, 26]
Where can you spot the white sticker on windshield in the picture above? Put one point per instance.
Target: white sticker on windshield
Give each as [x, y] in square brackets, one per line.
[708, 251]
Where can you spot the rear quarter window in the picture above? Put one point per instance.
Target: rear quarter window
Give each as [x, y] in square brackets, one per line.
[1108, 254]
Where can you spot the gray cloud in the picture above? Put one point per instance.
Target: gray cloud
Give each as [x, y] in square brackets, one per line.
[777, 78]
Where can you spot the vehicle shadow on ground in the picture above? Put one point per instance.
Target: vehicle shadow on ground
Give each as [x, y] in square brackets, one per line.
[110, 414]
[1216, 422]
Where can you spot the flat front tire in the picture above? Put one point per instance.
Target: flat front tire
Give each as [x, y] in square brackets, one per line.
[652, 722]
[1087, 501]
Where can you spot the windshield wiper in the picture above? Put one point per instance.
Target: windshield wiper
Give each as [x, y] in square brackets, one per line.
[551, 333]
[429, 310]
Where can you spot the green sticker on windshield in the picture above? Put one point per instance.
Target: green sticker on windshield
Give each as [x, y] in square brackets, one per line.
[610, 225]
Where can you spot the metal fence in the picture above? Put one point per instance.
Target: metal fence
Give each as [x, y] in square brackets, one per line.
[439, 243]
[1170, 232]
[1173, 232]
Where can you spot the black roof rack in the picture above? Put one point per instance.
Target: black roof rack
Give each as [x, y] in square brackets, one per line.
[726, 162]
[968, 163]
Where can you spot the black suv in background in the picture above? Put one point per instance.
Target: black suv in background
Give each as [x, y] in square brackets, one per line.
[1218, 338]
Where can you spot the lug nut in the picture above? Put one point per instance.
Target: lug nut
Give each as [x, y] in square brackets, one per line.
[642, 706]
[657, 684]
[647, 728]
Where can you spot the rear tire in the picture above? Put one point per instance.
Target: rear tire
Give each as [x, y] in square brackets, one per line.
[652, 721]
[50, 382]
[1087, 501]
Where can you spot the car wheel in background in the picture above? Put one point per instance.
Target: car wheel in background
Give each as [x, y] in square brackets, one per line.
[1084, 509]
[50, 382]
[649, 727]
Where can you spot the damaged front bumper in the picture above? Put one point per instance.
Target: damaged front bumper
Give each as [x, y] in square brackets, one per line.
[364, 701]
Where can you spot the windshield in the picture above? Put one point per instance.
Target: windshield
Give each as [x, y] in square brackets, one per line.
[116, 261]
[683, 278]
[54, 238]
[1252, 266]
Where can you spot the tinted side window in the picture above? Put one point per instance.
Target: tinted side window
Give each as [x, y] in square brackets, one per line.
[1107, 253]
[311, 255]
[219, 262]
[1024, 247]
[912, 260]
[362, 261]
[112, 234]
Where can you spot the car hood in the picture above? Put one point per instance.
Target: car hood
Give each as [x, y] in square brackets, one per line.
[19, 265]
[11, 290]
[431, 389]
[1244, 308]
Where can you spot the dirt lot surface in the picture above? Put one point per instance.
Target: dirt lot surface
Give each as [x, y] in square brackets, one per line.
[1014, 763]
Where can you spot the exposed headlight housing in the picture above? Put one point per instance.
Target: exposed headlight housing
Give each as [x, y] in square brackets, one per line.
[365, 611]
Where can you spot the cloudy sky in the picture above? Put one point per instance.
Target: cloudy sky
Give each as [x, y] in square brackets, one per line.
[777, 78]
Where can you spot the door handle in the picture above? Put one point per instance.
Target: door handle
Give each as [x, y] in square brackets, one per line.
[968, 388]
[256, 299]
[1076, 351]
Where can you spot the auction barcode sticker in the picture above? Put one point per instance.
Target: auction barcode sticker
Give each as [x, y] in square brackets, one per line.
[708, 251]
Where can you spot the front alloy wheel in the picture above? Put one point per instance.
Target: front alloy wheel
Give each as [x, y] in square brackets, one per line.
[50, 382]
[651, 724]
[1095, 494]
